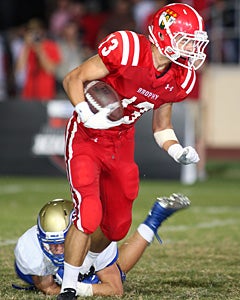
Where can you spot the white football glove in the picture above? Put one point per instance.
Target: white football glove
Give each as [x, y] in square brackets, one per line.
[84, 289]
[185, 156]
[100, 120]
[83, 110]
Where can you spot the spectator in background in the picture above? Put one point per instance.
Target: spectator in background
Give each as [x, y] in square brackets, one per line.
[141, 9]
[16, 41]
[39, 58]
[3, 83]
[223, 24]
[121, 18]
[78, 11]
[73, 52]
[7, 80]
[148, 17]
[90, 21]
[59, 17]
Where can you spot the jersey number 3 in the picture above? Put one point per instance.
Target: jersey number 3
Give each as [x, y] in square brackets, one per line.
[112, 46]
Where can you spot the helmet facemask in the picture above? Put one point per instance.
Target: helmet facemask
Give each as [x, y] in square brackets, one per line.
[48, 238]
[189, 46]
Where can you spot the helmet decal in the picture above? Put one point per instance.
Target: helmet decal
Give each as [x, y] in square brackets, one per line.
[167, 18]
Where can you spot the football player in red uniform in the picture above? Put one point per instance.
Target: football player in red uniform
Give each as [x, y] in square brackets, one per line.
[148, 74]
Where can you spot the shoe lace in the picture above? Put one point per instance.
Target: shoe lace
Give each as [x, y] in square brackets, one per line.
[158, 238]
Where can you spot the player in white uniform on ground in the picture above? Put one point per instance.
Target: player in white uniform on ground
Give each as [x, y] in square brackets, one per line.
[39, 253]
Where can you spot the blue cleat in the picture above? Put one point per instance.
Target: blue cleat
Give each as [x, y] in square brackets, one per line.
[163, 208]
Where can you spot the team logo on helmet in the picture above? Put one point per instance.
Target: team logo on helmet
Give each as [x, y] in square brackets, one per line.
[167, 18]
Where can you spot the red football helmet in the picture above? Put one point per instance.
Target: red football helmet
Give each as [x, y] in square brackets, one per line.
[177, 30]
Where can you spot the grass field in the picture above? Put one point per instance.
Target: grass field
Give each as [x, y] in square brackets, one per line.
[199, 258]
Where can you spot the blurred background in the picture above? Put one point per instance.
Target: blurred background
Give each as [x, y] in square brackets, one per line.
[63, 33]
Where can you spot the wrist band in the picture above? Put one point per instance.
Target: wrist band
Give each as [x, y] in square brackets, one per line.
[164, 135]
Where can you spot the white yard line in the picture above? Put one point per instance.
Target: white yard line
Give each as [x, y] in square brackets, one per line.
[11, 189]
[214, 209]
[211, 224]
[204, 225]
[7, 242]
[15, 189]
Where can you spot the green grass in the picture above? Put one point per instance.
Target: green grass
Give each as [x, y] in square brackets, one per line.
[199, 257]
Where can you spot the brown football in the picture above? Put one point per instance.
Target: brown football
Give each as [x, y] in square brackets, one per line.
[99, 94]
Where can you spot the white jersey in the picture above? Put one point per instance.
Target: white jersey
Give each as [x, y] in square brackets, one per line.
[31, 260]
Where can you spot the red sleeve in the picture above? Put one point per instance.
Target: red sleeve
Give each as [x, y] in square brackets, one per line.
[120, 48]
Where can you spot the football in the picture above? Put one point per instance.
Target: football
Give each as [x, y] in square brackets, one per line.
[99, 94]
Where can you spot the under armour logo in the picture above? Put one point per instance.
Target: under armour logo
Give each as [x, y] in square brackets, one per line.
[168, 87]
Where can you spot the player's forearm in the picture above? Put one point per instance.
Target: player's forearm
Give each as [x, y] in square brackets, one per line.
[73, 87]
[106, 289]
[91, 69]
[46, 284]
[52, 290]
[100, 289]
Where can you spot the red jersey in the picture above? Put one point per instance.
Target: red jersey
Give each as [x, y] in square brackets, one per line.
[128, 57]
[40, 84]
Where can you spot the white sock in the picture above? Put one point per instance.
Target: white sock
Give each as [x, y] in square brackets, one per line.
[88, 262]
[70, 277]
[146, 232]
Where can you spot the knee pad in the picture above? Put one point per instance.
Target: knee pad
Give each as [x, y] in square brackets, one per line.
[89, 216]
[131, 186]
[117, 233]
[83, 171]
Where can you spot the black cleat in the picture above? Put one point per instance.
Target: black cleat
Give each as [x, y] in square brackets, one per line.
[67, 294]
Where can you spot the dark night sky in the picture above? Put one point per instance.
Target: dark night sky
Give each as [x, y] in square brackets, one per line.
[16, 12]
